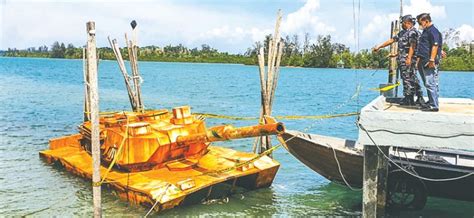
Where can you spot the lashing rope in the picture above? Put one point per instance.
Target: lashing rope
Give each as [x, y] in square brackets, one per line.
[111, 165]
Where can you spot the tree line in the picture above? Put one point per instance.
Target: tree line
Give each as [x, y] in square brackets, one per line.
[323, 53]
[320, 53]
[169, 53]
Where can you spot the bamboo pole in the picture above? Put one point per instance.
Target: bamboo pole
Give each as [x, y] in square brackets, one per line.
[274, 49]
[277, 73]
[118, 55]
[133, 82]
[263, 94]
[137, 74]
[269, 59]
[263, 81]
[94, 100]
[269, 79]
[265, 140]
[87, 110]
[132, 66]
[132, 53]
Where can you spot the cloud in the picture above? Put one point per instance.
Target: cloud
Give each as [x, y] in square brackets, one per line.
[28, 23]
[305, 20]
[235, 34]
[466, 33]
[377, 29]
[459, 36]
[424, 6]
[231, 26]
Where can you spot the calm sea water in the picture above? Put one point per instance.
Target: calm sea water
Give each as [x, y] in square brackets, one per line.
[42, 98]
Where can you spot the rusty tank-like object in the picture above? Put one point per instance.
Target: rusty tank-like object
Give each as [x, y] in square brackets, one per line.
[163, 158]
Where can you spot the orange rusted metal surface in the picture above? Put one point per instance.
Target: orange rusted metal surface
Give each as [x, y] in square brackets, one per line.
[165, 157]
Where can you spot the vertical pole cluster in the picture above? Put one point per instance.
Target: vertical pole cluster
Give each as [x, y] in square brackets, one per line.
[92, 96]
[132, 82]
[269, 79]
[392, 73]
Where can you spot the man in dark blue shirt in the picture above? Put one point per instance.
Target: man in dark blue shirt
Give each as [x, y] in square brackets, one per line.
[428, 58]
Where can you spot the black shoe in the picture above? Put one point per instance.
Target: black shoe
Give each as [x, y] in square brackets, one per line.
[412, 101]
[420, 101]
[425, 106]
[408, 101]
[429, 109]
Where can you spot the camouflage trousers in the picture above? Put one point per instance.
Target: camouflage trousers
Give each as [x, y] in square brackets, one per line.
[411, 84]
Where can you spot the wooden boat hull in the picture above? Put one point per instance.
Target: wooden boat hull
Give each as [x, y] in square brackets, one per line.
[178, 183]
[319, 152]
[320, 156]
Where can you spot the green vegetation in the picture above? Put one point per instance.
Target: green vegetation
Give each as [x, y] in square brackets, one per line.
[322, 54]
[168, 53]
[458, 59]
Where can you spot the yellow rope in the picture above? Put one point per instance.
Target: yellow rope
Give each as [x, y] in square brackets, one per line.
[111, 165]
[288, 117]
[386, 88]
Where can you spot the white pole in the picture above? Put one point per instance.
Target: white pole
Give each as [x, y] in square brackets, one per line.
[94, 100]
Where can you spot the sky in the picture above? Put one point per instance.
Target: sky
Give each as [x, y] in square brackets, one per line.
[230, 25]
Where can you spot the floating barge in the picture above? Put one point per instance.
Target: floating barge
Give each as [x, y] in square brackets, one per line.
[162, 160]
[421, 142]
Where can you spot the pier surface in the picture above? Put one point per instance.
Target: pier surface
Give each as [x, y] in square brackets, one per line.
[393, 124]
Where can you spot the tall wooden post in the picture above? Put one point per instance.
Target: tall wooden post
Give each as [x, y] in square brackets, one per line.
[94, 111]
[392, 72]
[398, 28]
[375, 181]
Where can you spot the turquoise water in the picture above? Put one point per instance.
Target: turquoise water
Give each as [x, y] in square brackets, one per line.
[42, 98]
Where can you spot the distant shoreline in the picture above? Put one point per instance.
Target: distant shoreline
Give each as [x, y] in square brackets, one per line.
[244, 64]
[184, 62]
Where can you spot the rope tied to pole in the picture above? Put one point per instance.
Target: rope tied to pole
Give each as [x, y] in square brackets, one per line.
[114, 160]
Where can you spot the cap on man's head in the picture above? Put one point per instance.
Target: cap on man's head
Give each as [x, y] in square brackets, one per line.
[408, 17]
[423, 16]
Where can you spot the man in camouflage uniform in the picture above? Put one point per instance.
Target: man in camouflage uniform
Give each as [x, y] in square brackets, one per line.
[406, 60]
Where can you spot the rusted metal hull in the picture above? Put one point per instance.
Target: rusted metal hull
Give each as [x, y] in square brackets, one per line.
[180, 182]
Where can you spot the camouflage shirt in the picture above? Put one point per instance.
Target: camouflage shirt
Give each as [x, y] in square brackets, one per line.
[404, 39]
